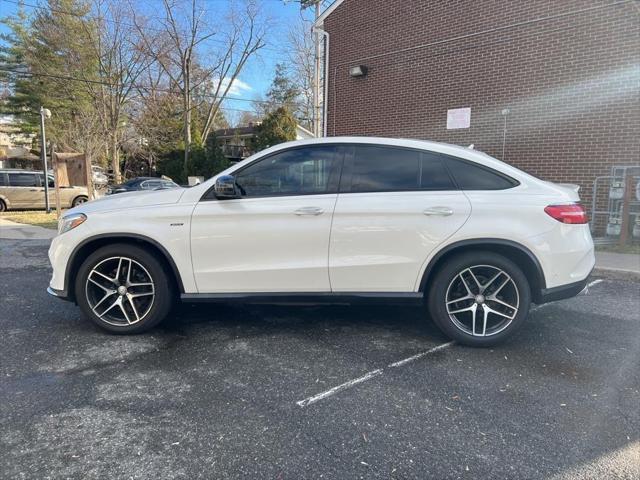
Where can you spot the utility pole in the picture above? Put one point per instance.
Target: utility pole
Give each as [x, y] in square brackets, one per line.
[44, 112]
[316, 74]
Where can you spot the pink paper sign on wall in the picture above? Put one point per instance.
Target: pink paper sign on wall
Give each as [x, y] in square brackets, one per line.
[458, 118]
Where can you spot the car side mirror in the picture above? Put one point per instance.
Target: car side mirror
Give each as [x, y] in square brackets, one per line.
[226, 188]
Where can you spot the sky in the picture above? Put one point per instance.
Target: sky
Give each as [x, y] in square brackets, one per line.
[257, 75]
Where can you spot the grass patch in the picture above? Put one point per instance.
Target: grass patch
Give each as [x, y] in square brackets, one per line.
[634, 248]
[38, 218]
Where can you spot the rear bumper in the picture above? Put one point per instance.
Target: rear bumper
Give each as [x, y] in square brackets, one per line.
[561, 292]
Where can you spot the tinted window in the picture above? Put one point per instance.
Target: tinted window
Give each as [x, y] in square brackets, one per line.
[433, 173]
[151, 184]
[22, 180]
[380, 169]
[470, 176]
[3, 180]
[301, 171]
[41, 180]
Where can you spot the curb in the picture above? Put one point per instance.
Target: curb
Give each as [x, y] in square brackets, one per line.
[616, 274]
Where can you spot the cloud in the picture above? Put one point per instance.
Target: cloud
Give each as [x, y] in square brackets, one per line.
[238, 87]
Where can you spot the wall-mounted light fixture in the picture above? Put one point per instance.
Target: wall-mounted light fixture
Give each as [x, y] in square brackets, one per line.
[358, 71]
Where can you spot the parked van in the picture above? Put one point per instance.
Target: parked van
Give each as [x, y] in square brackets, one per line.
[24, 189]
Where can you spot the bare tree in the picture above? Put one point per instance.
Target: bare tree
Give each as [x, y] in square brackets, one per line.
[245, 38]
[121, 61]
[182, 42]
[302, 68]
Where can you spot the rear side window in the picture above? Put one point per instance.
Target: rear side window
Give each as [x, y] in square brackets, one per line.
[385, 169]
[470, 176]
[23, 180]
[3, 180]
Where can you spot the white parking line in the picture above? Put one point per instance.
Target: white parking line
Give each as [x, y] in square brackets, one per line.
[368, 376]
[420, 355]
[343, 386]
[374, 373]
[595, 282]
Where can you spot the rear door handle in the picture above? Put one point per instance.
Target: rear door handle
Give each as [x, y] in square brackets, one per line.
[438, 211]
[309, 211]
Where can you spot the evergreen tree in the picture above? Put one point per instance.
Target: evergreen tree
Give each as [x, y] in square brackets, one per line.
[283, 92]
[277, 127]
[50, 48]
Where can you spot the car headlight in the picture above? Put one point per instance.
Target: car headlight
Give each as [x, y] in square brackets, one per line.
[70, 222]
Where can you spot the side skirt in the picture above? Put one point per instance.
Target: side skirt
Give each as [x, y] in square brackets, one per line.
[307, 298]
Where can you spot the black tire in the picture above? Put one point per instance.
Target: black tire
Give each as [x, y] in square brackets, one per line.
[3, 206]
[150, 314]
[79, 200]
[458, 326]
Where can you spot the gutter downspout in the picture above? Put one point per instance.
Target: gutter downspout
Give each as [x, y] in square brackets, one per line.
[318, 30]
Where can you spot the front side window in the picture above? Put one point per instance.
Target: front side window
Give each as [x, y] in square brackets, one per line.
[23, 180]
[41, 178]
[300, 171]
[386, 169]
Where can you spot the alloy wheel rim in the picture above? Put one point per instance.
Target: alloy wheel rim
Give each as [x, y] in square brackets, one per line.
[120, 291]
[482, 300]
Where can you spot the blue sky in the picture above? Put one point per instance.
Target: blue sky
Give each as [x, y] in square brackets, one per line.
[258, 73]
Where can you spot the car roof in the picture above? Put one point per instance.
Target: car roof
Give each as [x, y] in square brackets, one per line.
[458, 151]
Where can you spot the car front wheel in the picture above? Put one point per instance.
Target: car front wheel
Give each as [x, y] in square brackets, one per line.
[124, 289]
[479, 298]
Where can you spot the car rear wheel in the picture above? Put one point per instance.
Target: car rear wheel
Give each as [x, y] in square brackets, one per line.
[3, 206]
[79, 200]
[479, 298]
[124, 289]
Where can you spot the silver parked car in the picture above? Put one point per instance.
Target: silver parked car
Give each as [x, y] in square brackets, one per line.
[24, 189]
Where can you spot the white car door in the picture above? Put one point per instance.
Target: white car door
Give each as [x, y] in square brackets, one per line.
[395, 207]
[276, 237]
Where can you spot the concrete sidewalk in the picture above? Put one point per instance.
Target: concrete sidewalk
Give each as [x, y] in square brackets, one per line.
[621, 266]
[19, 231]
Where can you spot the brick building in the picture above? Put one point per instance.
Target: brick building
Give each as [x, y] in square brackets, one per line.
[565, 72]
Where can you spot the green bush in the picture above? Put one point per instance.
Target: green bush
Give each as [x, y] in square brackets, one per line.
[204, 162]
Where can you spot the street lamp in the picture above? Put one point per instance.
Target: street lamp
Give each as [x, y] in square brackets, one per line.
[45, 113]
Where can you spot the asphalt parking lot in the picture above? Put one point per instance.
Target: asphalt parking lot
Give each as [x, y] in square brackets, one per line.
[289, 392]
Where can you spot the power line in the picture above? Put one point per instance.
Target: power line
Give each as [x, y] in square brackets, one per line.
[136, 86]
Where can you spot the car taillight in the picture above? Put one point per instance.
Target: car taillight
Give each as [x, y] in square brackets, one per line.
[572, 213]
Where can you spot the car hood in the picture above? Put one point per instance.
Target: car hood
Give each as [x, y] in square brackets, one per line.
[129, 200]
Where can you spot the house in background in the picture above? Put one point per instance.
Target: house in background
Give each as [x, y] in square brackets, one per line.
[550, 87]
[239, 143]
[15, 146]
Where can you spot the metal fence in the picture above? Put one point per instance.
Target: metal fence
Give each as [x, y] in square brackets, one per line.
[615, 206]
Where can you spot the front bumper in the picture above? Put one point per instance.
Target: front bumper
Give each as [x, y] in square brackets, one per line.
[61, 294]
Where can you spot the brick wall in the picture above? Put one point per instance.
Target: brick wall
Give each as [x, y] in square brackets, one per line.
[571, 82]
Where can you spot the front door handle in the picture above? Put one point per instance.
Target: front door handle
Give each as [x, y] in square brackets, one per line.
[309, 211]
[438, 211]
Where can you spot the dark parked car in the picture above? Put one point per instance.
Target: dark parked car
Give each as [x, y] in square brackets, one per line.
[142, 183]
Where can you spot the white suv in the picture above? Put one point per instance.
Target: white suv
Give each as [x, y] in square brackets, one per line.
[334, 220]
